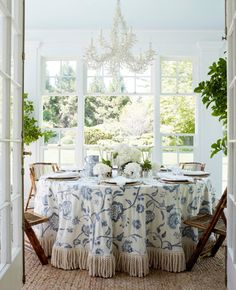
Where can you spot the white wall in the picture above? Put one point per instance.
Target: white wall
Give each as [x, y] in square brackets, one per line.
[203, 46]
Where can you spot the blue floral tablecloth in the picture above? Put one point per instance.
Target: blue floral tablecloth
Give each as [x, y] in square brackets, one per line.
[106, 228]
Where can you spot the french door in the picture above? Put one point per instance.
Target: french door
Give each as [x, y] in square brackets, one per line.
[231, 203]
[11, 88]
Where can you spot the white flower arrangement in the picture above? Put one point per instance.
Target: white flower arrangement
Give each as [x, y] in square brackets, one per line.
[132, 169]
[101, 169]
[125, 154]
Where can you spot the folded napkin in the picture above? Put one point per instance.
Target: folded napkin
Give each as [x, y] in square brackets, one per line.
[120, 180]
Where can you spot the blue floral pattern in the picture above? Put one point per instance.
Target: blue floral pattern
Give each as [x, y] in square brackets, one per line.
[130, 219]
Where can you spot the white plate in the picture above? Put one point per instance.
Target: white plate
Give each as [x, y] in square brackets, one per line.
[196, 173]
[63, 175]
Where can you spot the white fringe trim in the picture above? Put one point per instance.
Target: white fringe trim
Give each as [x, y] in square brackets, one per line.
[102, 266]
[106, 265]
[134, 265]
[69, 259]
[171, 261]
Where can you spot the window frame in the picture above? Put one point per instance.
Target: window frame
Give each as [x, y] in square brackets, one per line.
[11, 142]
[161, 134]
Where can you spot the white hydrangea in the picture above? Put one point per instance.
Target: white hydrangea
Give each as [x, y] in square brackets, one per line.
[132, 169]
[101, 169]
[126, 154]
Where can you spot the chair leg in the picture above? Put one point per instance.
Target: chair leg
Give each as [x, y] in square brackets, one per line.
[201, 244]
[35, 243]
[217, 245]
[29, 197]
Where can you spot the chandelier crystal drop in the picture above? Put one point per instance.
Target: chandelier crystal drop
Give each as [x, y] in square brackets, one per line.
[117, 54]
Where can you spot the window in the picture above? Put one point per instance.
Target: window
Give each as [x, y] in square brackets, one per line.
[177, 111]
[60, 111]
[109, 110]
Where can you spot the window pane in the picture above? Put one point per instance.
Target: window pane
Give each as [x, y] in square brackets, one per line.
[169, 157]
[129, 84]
[68, 84]
[169, 141]
[67, 157]
[95, 85]
[185, 86]
[185, 69]
[54, 140]
[168, 85]
[68, 137]
[186, 157]
[143, 85]
[53, 68]
[51, 155]
[177, 114]
[185, 140]
[60, 112]
[168, 68]
[111, 120]
[52, 85]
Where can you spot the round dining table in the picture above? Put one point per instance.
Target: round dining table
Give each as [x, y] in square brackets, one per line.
[104, 227]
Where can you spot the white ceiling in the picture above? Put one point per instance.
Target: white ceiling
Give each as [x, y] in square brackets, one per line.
[141, 14]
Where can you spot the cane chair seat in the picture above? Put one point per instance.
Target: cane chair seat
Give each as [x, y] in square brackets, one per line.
[192, 166]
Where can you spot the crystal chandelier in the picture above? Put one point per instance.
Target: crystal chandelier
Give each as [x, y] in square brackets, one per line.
[117, 54]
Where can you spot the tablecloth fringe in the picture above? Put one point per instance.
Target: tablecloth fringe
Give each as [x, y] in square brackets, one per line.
[171, 261]
[134, 265]
[102, 266]
[106, 265]
[69, 259]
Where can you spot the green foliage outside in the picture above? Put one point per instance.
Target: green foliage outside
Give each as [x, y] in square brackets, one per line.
[32, 132]
[94, 135]
[60, 112]
[100, 109]
[214, 96]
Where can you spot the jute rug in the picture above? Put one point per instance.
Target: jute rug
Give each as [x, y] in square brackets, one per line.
[208, 274]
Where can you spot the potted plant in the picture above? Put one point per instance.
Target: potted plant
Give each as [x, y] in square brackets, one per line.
[214, 95]
[32, 132]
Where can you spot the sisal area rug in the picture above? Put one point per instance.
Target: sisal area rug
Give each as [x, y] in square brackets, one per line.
[208, 274]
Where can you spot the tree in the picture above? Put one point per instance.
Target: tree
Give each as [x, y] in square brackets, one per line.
[99, 109]
[60, 111]
[214, 96]
[178, 114]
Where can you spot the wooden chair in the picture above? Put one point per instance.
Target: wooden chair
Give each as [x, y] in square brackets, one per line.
[32, 219]
[36, 171]
[209, 224]
[193, 166]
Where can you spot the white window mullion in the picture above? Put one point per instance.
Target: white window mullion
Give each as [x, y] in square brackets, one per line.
[80, 128]
[157, 151]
